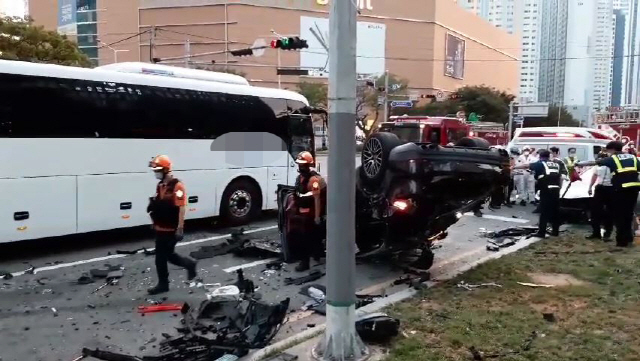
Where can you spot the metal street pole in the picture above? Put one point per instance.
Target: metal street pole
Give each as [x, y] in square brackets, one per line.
[510, 120]
[559, 113]
[187, 53]
[341, 342]
[386, 96]
[279, 76]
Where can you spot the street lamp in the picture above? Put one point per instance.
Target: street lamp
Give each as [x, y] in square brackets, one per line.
[115, 51]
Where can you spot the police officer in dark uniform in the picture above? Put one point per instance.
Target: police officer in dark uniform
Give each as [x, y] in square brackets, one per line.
[624, 179]
[310, 201]
[167, 211]
[549, 177]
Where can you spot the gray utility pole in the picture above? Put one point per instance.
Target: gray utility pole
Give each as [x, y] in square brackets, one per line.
[152, 43]
[187, 53]
[510, 120]
[341, 342]
[386, 96]
[559, 113]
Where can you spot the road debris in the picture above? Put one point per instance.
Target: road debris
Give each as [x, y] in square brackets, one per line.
[155, 302]
[303, 279]
[377, 327]
[111, 282]
[104, 272]
[470, 287]
[507, 237]
[218, 250]
[258, 247]
[144, 250]
[534, 285]
[215, 329]
[30, 271]
[6, 275]
[55, 312]
[244, 285]
[226, 292]
[85, 279]
[160, 308]
[284, 357]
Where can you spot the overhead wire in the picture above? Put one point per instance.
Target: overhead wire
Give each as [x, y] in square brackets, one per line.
[121, 40]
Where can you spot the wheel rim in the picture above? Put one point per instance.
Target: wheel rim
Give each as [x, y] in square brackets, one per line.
[240, 203]
[372, 157]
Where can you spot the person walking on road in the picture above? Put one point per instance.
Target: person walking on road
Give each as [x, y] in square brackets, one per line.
[167, 210]
[310, 200]
[525, 182]
[547, 173]
[624, 179]
[601, 206]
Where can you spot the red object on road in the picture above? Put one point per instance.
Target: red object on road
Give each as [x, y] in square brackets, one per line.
[160, 308]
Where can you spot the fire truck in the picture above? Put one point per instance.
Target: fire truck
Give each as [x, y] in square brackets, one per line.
[443, 130]
[621, 123]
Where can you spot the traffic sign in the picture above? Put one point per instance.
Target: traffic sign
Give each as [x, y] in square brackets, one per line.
[518, 119]
[402, 104]
[258, 47]
[440, 96]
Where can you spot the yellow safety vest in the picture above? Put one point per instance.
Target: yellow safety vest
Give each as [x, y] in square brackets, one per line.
[633, 181]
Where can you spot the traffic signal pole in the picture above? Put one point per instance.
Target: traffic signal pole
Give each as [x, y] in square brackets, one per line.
[386, 96]
[341, 342]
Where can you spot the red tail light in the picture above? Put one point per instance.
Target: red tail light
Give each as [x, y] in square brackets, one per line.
[401, 205]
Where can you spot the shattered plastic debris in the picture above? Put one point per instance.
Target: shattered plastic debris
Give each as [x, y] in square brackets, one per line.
[226, 292]
[377, 327]
[85, 279]
[30, 271]
[534, 285]
[5, 275]
[470, 287]
[258, 247]
[507, 237]
[215, 329]
[303, 279]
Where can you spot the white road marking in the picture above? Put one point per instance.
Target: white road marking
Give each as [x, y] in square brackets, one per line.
[500, 218]
[115, 256]
[249, 265]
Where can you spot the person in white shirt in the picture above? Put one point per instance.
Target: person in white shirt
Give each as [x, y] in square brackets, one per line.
[525, 182]
[601, 202]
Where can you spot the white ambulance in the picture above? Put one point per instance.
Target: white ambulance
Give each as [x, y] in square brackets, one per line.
[587, 142]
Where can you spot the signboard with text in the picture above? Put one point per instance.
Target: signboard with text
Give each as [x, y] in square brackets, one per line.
[67, 11]
[454, 56]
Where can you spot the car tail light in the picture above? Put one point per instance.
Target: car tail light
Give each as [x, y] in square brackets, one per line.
[401, 204]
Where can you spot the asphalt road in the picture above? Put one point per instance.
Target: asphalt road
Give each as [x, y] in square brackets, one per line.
[108, 319]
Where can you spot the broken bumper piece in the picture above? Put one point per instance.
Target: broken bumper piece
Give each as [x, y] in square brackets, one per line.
[217, 328]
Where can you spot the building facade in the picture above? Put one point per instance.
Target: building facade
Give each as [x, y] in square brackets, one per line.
[619, 22]
[434, 44]
[552, 53]
[522, 18]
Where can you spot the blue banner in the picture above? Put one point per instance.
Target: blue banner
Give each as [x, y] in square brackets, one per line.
[67, 16]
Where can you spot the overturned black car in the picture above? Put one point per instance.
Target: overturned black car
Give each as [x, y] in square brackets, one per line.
[408, 194]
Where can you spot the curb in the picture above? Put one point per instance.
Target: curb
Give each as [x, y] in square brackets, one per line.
[392, 299]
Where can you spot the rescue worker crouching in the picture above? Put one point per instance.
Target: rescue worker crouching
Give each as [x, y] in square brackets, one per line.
[626, 186]
[167, 210]
[548, 174]
[310, 202]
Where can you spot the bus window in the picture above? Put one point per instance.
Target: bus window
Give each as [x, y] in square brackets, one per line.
[301, 132]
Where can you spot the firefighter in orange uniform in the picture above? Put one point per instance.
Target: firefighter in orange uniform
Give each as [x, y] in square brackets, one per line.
[167, 210]
[310, 201]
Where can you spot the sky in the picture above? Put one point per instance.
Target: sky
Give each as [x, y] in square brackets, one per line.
[12, 7]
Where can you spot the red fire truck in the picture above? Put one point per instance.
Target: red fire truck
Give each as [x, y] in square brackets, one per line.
[443, 130]
[621, 122]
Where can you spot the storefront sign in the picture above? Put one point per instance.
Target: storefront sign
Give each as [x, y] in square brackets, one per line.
[362, 4]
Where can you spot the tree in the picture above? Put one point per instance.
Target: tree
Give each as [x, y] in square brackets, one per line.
[489, 103]
[367, 102]
[566, 119]
[316, 93]
[20, 39]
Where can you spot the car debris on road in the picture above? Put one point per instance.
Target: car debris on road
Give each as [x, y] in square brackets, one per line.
[507, 237]
[471, 287]
[304, 279]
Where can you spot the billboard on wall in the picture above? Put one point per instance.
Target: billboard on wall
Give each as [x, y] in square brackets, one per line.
[370, 47]
[67, 11]
[454, 57]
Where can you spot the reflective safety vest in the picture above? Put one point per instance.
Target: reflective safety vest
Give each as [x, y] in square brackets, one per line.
[626, 173]
[306, 187]
[570, 162]
[551, 177]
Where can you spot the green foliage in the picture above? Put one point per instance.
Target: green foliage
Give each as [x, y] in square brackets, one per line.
[20, 39]
[316, 93]
[488, 102]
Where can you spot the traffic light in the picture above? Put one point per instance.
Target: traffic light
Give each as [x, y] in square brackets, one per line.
[427, 96]
[292, 43]
[455, 96]
[242, 52]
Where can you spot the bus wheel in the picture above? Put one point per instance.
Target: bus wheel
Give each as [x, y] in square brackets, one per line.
[241, 202]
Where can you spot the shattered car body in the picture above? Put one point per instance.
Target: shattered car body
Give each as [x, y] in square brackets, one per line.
[218, 327]
[408, 194]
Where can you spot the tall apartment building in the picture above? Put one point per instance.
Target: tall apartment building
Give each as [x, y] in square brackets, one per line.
[630, 68]
[516, 17]
[617, 76]
[552, 50]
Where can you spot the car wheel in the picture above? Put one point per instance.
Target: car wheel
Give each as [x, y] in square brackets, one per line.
[241, 202]
[469, 142]
[375, 157]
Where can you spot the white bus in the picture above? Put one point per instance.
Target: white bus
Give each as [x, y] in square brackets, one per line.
[75, 145]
